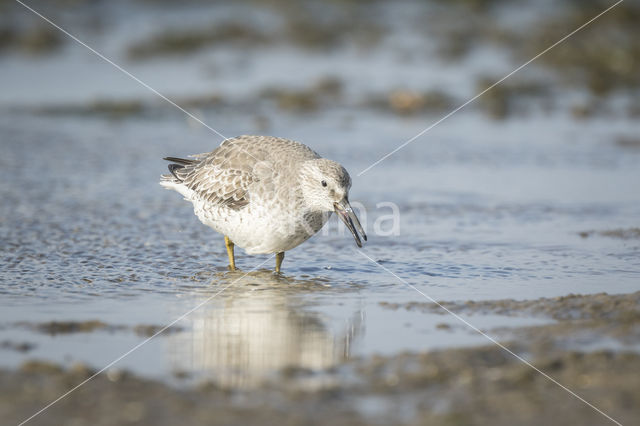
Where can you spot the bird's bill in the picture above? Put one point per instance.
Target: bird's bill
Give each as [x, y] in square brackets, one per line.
[345, 212]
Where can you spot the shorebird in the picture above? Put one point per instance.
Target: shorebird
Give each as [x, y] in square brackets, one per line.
[264, 194]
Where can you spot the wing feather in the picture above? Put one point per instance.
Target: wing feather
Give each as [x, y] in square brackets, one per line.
[225, 175]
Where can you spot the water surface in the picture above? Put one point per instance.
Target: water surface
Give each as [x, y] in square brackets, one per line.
[487, 210]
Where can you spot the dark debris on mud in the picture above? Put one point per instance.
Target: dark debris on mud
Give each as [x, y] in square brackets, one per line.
[53, 328]
[620, 233]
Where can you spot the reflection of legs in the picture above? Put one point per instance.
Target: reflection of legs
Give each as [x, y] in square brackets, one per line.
[232, 259]
[279, 259]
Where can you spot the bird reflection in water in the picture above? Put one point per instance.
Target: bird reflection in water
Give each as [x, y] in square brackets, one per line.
[259, 326]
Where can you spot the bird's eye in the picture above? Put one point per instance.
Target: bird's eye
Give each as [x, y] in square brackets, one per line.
[324, 183]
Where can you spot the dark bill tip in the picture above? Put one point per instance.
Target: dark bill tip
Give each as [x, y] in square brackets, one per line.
[348, 217]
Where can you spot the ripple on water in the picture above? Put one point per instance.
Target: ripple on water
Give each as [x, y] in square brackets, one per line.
[487, 211]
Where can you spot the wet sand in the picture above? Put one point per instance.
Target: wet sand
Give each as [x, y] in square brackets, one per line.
[482, 385]
[527, 192]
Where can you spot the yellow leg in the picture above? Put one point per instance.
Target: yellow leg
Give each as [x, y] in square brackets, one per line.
[232, 258]
[279, 259]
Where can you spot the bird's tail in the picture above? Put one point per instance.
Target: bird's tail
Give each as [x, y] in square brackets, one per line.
[174, 179]
[176, 164]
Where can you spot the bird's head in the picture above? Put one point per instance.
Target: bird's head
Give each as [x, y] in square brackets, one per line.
[325, 187]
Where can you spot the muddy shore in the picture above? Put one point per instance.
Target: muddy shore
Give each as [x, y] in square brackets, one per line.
[525, 192]
[478, 385]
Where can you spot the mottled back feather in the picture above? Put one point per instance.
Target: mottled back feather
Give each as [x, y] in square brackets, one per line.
[225, 175]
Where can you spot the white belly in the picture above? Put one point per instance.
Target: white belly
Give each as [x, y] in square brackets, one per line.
[261, 230]
[260, 227]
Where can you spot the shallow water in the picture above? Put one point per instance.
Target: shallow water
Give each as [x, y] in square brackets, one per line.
[488, 210]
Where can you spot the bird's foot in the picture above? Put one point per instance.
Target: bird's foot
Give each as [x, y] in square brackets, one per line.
[279, 259]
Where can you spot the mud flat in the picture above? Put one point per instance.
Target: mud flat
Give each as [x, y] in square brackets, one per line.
[479, 385]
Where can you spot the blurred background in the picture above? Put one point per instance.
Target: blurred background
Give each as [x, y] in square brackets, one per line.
[530, 191]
